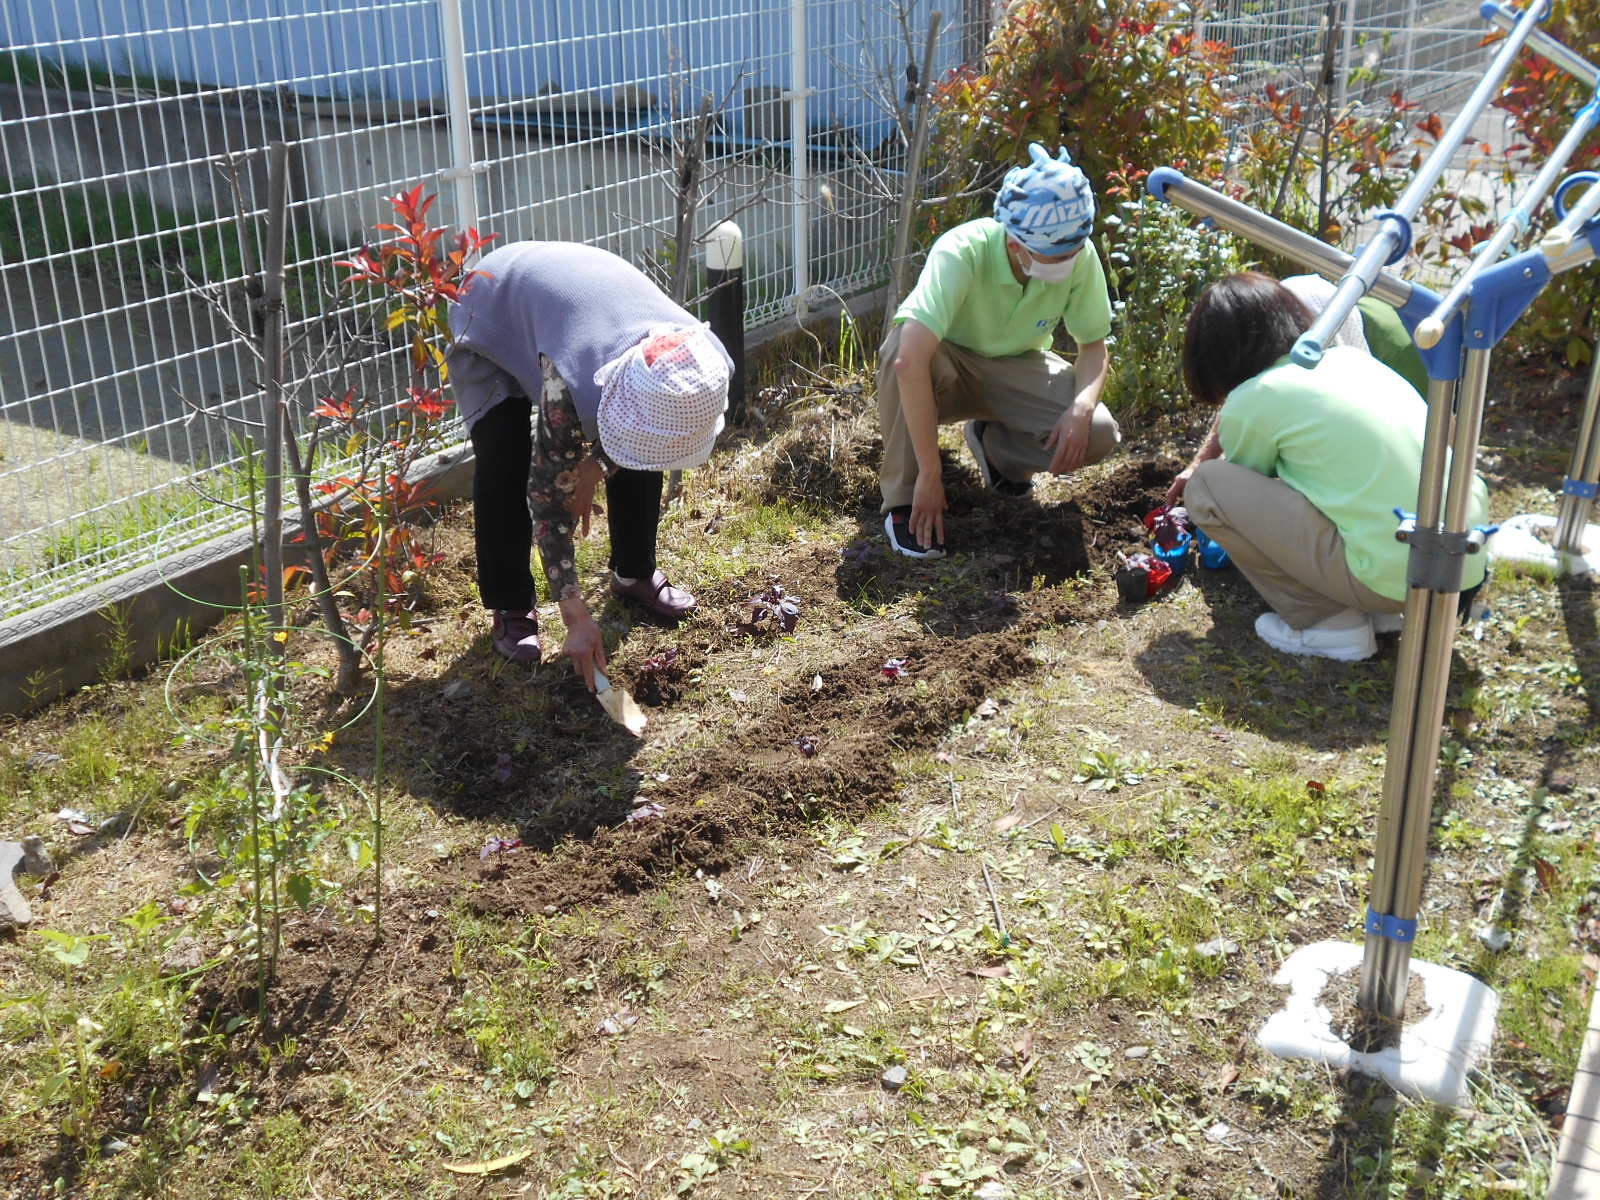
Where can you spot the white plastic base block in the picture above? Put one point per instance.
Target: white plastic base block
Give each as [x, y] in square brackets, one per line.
[1519, 542]
[1435, 1054]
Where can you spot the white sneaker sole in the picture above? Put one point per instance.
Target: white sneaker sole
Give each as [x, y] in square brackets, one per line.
[1294, 643]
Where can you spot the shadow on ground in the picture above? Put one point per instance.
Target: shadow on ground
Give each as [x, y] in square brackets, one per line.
[1002, 548]
[493, 741]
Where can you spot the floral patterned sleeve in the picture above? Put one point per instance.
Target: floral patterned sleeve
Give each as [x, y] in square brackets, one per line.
[558, 448]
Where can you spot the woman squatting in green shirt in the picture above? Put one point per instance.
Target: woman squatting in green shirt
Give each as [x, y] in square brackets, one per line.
[1304, 470]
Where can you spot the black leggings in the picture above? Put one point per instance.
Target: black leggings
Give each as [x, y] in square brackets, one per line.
[502, 442]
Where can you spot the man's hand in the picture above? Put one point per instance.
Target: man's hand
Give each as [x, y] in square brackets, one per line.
[581, 503]
[584, 645]
[1070, 439]
[1175, 492]
[927, 509]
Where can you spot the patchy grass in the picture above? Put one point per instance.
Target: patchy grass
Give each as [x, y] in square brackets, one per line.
[1002, 922]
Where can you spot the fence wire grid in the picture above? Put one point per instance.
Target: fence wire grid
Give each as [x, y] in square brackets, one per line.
[132, 189]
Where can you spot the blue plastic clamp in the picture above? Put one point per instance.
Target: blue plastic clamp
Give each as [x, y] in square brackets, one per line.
[1501, 295]
[1404, 223]
[1391, 928]
[1577, 487]
[1444, 360]
[1159, 180]
[1576, 180]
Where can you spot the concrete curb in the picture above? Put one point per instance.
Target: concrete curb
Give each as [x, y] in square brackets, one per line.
[133, 619]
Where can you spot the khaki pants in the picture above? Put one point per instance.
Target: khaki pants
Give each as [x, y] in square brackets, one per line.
[1023, 397]
[1290, 552]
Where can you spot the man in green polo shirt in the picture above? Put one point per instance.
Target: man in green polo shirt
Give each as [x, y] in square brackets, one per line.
[972, 343]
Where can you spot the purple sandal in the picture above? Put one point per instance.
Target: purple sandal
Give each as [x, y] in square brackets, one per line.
[657, 595]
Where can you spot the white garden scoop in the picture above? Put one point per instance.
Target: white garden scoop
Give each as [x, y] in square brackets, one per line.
[619, 705]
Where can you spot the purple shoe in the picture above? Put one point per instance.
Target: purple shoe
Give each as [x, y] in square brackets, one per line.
[516, 636]
[657, 595]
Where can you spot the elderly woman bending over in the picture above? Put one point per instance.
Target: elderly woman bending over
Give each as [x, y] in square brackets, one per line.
[570, 366]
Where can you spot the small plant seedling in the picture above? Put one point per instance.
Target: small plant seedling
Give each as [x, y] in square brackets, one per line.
[773, 609]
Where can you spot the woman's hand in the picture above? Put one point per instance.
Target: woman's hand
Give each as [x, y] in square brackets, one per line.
[584, 644]
[581, 503]
[1175, 492]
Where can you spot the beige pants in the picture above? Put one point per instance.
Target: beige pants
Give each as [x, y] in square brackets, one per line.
[1290, 552]
[1023, 397]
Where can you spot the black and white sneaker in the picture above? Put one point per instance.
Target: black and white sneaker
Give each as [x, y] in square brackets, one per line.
[991, 478]
[897, 524]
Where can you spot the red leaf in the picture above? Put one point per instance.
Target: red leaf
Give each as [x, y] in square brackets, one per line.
[428, 402]
[336, 409]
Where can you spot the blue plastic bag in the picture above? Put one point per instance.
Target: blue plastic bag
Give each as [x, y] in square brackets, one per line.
[1211, 553]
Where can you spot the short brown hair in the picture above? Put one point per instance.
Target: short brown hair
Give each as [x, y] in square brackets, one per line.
[1238, 328]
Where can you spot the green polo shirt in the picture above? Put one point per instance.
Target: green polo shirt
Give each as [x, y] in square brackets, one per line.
[967, 294]
[1391, 344]
[1347, 436]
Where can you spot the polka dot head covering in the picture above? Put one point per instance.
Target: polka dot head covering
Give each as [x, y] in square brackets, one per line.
[662, 400]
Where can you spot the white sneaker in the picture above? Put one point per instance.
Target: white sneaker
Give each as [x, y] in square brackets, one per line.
[1387, 622]
[1340, 637]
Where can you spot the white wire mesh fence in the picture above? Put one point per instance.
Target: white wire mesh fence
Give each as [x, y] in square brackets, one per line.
[1432, 49]
[127, 255]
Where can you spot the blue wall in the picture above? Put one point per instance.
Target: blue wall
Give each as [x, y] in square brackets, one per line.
[351, 49]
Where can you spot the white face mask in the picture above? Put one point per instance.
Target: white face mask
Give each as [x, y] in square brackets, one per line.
[1051, 272]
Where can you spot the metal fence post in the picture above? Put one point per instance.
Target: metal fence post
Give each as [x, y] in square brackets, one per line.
[798, 95]
[458, 109]
[725, 305]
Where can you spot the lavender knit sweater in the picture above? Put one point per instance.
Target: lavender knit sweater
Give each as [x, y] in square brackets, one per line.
[579, 305]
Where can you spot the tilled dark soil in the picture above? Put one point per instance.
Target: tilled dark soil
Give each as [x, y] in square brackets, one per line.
[824, 746]
[533, 750]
